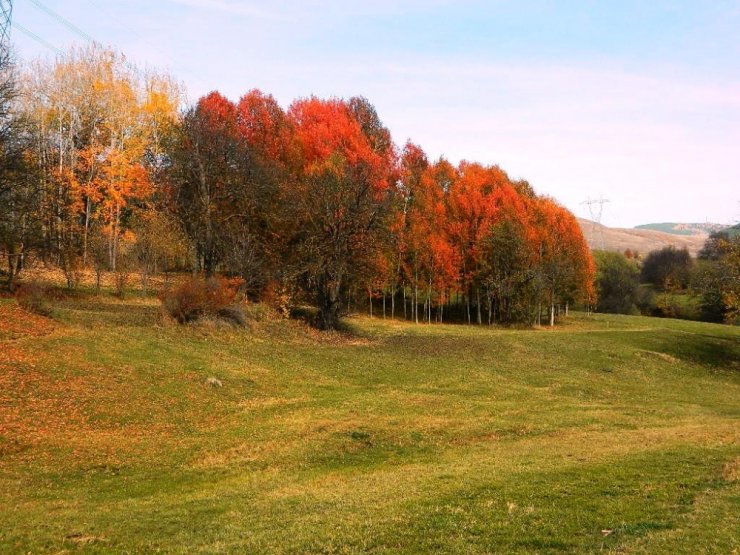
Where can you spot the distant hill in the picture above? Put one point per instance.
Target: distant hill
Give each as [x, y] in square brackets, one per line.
[683, 229]
[733, 231]
[639, 239]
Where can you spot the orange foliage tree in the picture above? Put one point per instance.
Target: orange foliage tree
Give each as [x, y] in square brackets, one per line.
[342, 198]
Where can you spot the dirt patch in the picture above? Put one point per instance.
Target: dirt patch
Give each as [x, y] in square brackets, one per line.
[731, 471]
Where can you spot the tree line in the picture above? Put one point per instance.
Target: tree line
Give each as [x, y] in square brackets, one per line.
[102, 168]
[669, 282]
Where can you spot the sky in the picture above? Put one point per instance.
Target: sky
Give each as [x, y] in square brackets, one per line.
[630, 101]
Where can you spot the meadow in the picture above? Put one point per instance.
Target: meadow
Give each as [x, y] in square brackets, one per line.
[612, 434]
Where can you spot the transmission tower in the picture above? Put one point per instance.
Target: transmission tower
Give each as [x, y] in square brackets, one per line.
[595, 210]
[6, 11]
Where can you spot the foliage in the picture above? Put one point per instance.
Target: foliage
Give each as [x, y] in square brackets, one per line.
[343, 196]
[313, 204]
[199, 297]
[97, 126]
[719, 278]
[668, 268]
[617, 283]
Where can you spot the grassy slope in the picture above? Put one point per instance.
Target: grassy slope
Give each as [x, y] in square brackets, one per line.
[611, 433]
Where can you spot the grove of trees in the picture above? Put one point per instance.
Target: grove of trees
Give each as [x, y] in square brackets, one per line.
[103, 168]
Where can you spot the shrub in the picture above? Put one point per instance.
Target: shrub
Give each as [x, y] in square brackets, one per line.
[198, 297]
[34, 297]
[233, 314]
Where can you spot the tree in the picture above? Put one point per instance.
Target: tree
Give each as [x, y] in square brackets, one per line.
[617, 283]
[159, 244]
[20, 226]
[98, 130]
[207, 171]
[668, 268]
[261, 230]
[566, 267]
[472, 209]
[507, 264]
[342, 199]
[719, 278]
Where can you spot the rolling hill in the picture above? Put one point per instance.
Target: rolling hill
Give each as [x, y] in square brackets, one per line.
[683, 228]
[122, 433]
[638, 239]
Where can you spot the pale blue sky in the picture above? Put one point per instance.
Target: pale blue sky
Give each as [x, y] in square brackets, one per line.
[635, 100]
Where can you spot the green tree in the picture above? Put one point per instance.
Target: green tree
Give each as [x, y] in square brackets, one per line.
[668, 268]
[617, 283]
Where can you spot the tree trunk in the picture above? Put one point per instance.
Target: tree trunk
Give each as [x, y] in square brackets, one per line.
[416, 302]
[11, 270]
[87, 228]
[393, 303]
[328, 301]
[477, 301]
[467, 304]
[552, 310]
[490, 307]
[405, 313]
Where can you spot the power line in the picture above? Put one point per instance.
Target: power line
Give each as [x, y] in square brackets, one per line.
[37, 38]
[68, 24]
[129, 29]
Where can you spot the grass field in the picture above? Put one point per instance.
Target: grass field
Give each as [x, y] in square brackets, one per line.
[609, 434]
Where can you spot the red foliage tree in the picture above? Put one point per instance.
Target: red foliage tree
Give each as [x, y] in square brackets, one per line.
[342, 199]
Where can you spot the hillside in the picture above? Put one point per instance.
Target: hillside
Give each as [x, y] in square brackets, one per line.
[640, 240]
[613, 434]
[673, 228]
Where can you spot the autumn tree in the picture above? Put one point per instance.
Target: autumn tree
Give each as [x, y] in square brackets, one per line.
[433, 266]
[472, 211]
[261, 231]
[97, 131]
[565, 266]
[206, 176]
[342, 198]
[507, 260]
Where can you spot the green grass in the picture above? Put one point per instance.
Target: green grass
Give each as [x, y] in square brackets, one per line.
[612, 433]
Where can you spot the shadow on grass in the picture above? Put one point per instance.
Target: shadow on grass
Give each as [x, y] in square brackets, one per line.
[715, 352]
[91, 311]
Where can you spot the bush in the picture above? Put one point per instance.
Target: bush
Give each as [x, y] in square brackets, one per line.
[34, 297]
[198, 297]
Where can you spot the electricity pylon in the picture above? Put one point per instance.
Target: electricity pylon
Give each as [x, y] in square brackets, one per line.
[595, 210]
[6, 11]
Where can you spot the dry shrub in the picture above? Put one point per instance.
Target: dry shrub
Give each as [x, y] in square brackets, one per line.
[34, 297]
[198, 297]
[279, 297]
